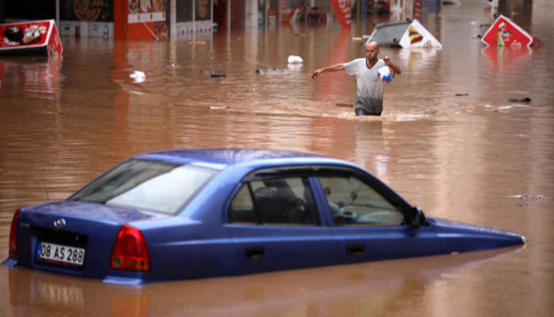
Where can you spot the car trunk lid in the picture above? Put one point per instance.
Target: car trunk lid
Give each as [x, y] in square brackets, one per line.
[72, 237]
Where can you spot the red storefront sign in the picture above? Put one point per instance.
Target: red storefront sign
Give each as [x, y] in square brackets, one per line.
[505, 33]
[31, 36]
[343, 12]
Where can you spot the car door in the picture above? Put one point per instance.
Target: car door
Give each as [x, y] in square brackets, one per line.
[275, 225]
[369, 221]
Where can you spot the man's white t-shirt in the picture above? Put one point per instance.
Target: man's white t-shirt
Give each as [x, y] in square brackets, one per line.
[369, 88]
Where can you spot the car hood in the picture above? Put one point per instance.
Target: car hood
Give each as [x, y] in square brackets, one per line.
[465, 237]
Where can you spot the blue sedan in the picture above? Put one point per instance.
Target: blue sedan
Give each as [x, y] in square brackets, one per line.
[187, 214]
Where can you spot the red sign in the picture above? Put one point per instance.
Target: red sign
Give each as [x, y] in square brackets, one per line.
[41, 36]
[505, 33]
[343, 12]
[55, 48]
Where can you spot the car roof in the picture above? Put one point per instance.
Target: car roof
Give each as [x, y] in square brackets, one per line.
[220, 158]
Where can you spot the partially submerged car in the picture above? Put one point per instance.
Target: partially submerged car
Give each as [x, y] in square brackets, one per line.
[186, 214]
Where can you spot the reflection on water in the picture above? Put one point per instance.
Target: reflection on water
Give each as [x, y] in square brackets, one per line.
[450, 140]
[40, 78]
[337, 290]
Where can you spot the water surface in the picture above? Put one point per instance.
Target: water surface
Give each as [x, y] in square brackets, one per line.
[475, 158]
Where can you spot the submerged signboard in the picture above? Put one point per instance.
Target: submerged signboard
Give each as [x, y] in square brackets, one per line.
[40, 37]
[505, 33]
[407, 34]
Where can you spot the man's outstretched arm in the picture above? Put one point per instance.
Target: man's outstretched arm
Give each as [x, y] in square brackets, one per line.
[394, 68]
[332, 68]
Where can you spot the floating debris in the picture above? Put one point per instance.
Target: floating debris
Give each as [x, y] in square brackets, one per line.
[273, 71]
[530, 197]
[504, 108]
[462, 94]
[138, 76]
[219, 107]
[293, 59]
[213, 74]
[526, 99]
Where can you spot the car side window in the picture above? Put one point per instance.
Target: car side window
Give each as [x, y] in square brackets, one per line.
[286, 201]
[242, 207]
[353, 202]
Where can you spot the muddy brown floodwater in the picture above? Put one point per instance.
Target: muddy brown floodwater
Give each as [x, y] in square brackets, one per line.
[475, 158]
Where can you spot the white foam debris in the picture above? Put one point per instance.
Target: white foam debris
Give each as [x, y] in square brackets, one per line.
[293, 59]
[138, 76]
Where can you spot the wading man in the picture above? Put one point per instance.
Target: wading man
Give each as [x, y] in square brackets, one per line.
[369, 89]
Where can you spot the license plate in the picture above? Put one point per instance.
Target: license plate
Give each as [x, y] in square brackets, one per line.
[61, 253]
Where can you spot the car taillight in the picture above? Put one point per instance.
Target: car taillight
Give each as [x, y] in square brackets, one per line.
[130, 251]
[13, 235]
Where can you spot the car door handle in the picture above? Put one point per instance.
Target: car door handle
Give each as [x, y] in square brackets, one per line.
[254, 252]
[355, 249]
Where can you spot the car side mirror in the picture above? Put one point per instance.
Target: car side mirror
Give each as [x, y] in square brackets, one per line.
[418, 217]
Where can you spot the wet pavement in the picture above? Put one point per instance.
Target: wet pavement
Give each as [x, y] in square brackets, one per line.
[476, 158]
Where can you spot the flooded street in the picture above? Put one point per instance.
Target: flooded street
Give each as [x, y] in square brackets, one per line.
[476, 158]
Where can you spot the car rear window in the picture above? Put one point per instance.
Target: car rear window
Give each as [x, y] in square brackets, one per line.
[150, 185]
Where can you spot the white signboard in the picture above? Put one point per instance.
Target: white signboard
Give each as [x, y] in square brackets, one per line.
[141, 11]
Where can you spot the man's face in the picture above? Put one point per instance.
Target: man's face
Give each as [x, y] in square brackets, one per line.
[372, 51]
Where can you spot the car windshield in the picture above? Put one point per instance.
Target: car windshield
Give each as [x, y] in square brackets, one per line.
[151, 185]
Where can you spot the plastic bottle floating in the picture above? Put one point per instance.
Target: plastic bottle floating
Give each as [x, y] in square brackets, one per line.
[385, 74]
